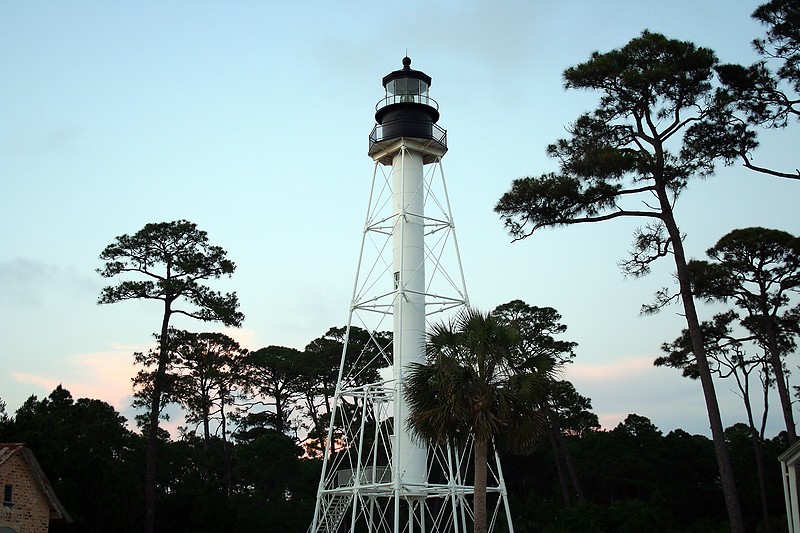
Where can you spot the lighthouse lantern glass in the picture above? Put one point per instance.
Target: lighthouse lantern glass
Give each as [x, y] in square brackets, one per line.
[408, 89]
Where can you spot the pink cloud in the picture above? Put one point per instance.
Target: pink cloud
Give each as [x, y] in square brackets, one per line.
[614, 370]
[631, 384]
[609, 421]
[32, 379]
[104, 375]
[247, 338]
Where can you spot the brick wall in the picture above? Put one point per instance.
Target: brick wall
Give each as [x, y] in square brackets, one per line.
[30, 512]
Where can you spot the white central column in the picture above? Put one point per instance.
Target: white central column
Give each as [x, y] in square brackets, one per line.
[409, 306]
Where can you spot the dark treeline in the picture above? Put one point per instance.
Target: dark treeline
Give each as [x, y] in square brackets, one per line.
[634, 478]
[631, 478]
[96, 464]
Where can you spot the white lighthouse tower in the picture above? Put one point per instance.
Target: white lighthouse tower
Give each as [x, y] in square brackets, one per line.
[376, 477]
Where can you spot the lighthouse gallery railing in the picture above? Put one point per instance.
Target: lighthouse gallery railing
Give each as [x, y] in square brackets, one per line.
[404, 127]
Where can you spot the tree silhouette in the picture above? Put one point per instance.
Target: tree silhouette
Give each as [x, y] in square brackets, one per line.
[172, 261]
[276, 374]
[767, 92]
[477, 381]
[632, 157]
[757, 269]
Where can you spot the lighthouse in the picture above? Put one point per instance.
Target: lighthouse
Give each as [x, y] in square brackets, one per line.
[404, 138]
[376, 476]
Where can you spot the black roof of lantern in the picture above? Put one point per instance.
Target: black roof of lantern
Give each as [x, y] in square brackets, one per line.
[407, 72]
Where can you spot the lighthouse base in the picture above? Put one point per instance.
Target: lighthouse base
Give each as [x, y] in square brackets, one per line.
[361, 492]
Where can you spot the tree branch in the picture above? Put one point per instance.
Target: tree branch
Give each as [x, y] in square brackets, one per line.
[751, 166]
[571, 221]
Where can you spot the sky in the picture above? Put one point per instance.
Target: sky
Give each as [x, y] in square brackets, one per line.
[251, 119]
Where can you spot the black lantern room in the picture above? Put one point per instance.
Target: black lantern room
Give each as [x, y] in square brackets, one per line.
[407, 110]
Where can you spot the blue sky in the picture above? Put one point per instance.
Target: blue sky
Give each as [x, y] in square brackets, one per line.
[251, 120]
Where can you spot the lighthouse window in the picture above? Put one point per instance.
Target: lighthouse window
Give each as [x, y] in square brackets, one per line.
[403, 86]
[397, 87]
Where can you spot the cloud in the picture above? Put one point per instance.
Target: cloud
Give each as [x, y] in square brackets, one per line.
[24, 282]
[612, 370]
[624, 385]
[611, 420]
[104, 375]
[21, 279]
[46, 142]
[44, 382]
[247, 338]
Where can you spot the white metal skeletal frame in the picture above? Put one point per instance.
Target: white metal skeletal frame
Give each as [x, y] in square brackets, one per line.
[375, 476]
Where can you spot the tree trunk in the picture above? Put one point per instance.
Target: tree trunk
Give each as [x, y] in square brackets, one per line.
[279, 412]
[479, 497]
[571, 468]
[758, 448]
[207, 442]
[756, 439]
[152, 444]
[152, 426]
[562, 479]
[150, 460]
[780, 379]
[693, 324]
[226, 452]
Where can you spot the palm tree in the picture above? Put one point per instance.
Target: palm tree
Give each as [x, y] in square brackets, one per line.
[477, 381]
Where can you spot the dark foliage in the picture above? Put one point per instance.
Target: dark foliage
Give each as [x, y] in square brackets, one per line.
[634, 478]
